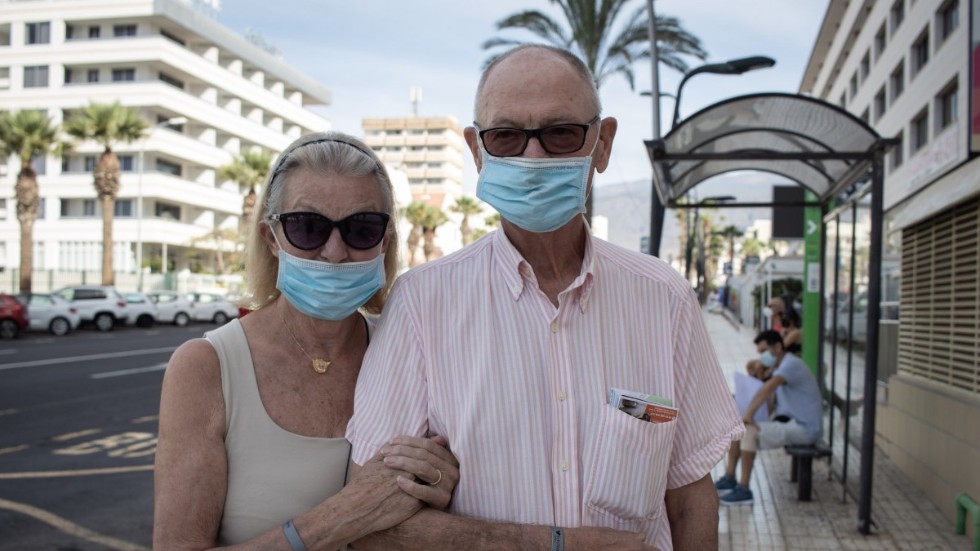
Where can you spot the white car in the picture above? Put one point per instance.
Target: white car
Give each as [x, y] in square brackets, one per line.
[51, 313]
[172, 307]
[212, 307]
[99, 304]
[142, 312]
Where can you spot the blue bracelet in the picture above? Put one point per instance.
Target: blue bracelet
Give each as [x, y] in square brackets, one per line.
[292, 536]
[557, 539]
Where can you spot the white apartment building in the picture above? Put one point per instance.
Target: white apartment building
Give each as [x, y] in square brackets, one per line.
[429, 150]
[174, 62]
[904, 67]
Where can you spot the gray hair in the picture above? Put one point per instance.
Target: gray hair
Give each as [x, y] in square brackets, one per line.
[322, 152]
[573, 61]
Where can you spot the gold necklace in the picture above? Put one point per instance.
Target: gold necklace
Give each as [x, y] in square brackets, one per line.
[319, 365]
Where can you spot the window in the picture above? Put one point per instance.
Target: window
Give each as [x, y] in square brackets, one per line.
[42, 204]
[920, 52]
[94, 31]
[880, 104]
[946, 106]
[65, 163]
[947, 20]
[919, 131]
[89, 163]
[40, 164]
[68, 75]
[854, 85]
[69, 32]
[880, 40]
[176, 83]
[124, 208]
[865, 66]
[39, 33]
[843, 101]
[36, 76]
[88, 208]
[119, 31]
[123, 75]
[126, 163]
[865, 118]
[168, 212]
[897, 81]
[3, 208]
[93, 75]
[168, 167]
[897, 14]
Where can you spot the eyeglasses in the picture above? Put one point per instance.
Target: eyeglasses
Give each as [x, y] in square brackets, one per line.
[309, 230]
[557, 139]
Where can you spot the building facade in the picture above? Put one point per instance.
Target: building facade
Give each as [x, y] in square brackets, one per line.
[207, 94]
[908, 69]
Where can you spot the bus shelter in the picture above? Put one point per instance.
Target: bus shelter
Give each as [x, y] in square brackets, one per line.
[838, 158]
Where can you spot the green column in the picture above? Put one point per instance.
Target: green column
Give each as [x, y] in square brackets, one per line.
[811, 282]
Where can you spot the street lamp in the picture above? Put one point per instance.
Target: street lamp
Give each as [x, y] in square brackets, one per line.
[690, 245]
[175, 121]
[730, 67]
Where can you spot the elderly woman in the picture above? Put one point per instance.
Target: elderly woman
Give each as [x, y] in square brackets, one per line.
[251, 450]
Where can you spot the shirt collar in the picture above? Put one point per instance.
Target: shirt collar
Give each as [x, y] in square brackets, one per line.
[517, 272]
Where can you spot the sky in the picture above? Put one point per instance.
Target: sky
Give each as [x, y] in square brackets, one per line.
[370, 53]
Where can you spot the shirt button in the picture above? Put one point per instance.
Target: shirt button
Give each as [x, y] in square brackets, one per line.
[554, 327]
[563, 466]
[562, 395]
[516, 289]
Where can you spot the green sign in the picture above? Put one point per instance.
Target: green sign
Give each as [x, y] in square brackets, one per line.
[811, 282]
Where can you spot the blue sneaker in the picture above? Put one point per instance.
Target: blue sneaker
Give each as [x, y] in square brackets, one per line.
[725, 484]
[739, 496]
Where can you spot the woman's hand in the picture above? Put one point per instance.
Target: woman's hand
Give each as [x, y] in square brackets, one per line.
[435, 468]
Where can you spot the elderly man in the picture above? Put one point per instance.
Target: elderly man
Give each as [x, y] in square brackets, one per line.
[512, 347]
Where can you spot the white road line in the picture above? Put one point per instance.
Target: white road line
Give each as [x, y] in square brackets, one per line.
[75, 359]
[80, 472]
[69, 527]
[73, 435]
[13, 449]
[133, 371]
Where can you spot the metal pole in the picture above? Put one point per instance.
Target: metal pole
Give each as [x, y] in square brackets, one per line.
[139, 221]
[656, 207]
[871, 342]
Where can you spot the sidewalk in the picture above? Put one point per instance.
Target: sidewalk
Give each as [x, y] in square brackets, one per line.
[902, 516]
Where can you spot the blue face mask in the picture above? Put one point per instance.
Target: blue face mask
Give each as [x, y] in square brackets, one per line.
[538, 195]
[767, 359]
[329, 291]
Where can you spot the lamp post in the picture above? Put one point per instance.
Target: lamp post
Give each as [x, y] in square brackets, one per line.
[730, 67]
[690, 245]
[139, 200]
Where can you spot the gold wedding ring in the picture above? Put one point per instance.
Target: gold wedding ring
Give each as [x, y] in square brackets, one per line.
[438, 480]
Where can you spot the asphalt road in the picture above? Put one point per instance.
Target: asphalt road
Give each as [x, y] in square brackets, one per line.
[78, 428]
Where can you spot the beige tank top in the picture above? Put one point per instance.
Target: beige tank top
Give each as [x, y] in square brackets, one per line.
[273, 475]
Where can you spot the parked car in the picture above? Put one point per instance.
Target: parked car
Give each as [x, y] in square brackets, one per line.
[211, 307]
[172, 307]
[141, 310]
[13, 317]
[99, 304]
[51, 313]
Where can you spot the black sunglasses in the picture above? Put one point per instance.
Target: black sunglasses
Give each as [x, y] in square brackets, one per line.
[556, 139]
[309, 230]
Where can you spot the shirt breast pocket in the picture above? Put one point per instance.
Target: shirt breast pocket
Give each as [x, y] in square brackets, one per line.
[628, 476]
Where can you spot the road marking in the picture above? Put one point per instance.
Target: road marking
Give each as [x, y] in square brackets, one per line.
[13, 449]
[80, 472]
[69, 527]
[72, 435]
[146, 419]
[133, 371]
[75, 359]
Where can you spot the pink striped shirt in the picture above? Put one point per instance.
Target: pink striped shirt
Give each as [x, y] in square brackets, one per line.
[470, 348]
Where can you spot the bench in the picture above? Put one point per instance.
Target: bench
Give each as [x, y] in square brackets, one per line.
[802, 469]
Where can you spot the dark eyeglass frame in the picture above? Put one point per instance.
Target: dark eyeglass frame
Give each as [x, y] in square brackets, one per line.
[540, 134]
[344, 225]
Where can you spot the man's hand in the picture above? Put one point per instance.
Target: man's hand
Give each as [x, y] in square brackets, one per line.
[602, 539]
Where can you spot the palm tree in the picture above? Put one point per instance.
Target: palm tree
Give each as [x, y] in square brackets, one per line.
[248, 170]
[493, 220]
[415, 215]
[607, 48]
[107, 124]
[467, 206]
[434, 217]
[26, 134]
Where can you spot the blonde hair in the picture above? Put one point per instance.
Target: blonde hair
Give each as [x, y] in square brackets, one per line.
[323, 152]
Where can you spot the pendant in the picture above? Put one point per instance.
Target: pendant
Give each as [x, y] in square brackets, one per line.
[320, 365]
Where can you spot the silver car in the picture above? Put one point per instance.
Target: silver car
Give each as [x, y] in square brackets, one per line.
[51, 313]
[172, 307]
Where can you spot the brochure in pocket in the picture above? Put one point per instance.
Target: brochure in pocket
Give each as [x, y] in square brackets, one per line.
[645, 407]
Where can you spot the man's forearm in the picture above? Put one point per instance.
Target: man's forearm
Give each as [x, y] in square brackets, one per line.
[439, 531]
[693, 515]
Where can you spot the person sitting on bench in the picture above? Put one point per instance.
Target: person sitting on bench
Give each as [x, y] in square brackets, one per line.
[797, 419]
